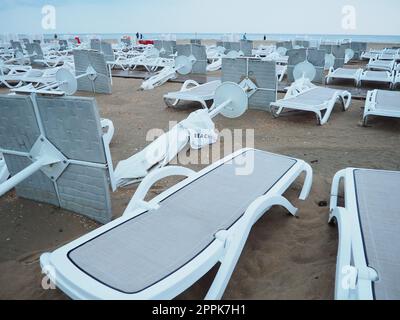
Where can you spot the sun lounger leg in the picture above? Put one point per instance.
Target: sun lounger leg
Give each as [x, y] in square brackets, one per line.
[235, 240]
[307, 182]
[343, 260]
[369, 103]
[346, 100]
[335, 191]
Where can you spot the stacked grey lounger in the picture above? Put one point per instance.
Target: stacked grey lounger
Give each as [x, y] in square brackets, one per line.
[261, 73]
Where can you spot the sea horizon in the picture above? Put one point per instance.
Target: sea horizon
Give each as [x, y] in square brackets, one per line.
[249, 36]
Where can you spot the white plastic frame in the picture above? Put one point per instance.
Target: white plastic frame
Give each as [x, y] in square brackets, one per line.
[226, 248]
[187, 93]
[289, 102]
[336, 74]
[351, 254]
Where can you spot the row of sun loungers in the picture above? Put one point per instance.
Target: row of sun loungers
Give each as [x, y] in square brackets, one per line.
[391, 78]
[159, 248]
[95, 265]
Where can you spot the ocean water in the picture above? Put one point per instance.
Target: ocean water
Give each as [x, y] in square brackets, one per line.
[249, 36]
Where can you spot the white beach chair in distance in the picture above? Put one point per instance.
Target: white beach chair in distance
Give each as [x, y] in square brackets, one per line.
[281, 64]
[381, 103]
[384, 77]
[372, 54]
[344, 74]
[305, 96]
[192, 59]
[368, 261]
[34, 77]
[193, 91]
[381, 65]
[159, 248]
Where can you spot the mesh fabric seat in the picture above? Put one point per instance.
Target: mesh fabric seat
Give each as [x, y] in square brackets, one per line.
[147, 248]
[378, 194]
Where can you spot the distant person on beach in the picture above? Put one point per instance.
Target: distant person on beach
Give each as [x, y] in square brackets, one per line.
[137, 35]
[55, 36]
[141, 36]
[265, 37]
[245, 36]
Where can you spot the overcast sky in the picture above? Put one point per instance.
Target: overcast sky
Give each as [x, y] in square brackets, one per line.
[375, 17]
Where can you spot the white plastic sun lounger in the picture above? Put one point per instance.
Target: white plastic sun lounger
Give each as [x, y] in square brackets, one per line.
[158, 249]
[368, 262]
[377, 76]
[382, 103]
[36, 76]
[373, 54]
[305, 96]
[344, 74]
[388, 56]
[381, 65]
[193, 91]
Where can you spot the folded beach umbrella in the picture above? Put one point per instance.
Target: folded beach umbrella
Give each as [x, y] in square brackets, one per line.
[198, 129]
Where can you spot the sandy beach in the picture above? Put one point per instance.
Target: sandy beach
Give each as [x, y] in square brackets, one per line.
[284, 258]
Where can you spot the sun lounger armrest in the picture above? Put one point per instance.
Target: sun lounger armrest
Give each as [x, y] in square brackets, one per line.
[335, 190]
[235, 240]
[346, 275]
[107, 123]
[137, 200]
[188, 83]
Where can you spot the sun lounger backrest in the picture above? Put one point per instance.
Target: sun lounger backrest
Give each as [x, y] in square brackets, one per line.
[285, 44]
[339, 51]
[126, 41]
[103, 47]
[85, 58]
[302, 43]
[72, 125]
[246, 46]
[261, 73]
[32, 55]
[95, 44]
[222, 44]
[107, 50]
[378, 194]
[195, 41]
[63, 45]
[37, 50]
[199, 52]
[168, 46]
[314, 56]
[358, 48]
[16, 45]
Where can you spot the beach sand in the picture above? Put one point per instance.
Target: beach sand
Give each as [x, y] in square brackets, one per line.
[284, 257]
